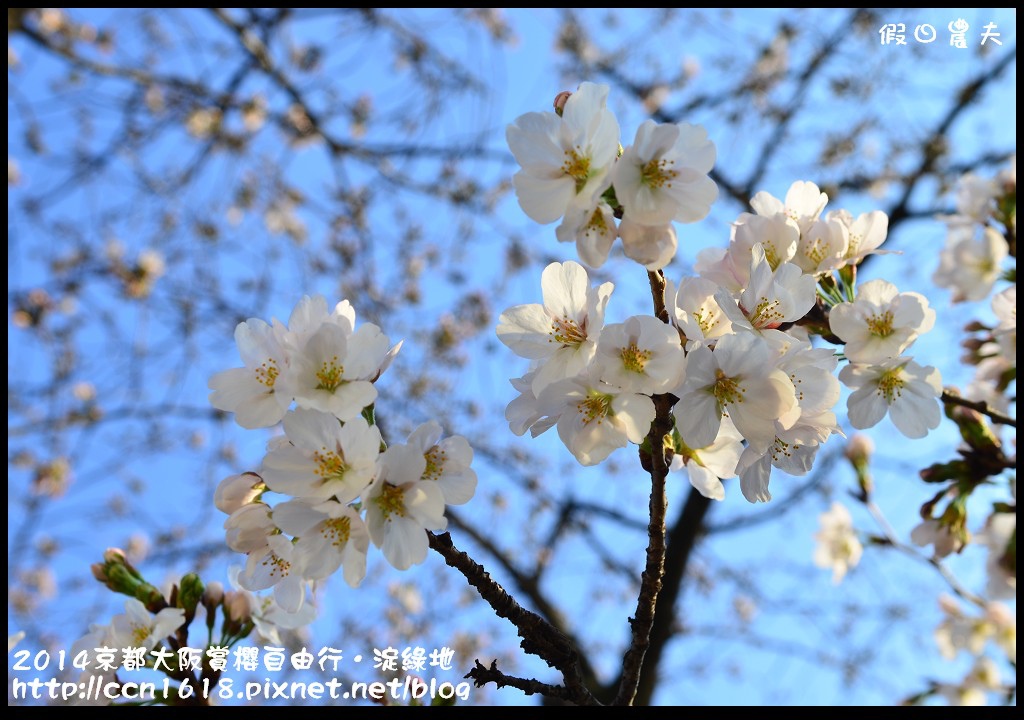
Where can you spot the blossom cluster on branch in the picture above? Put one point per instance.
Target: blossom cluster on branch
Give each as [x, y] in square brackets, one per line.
[749, 390]
[344, 487]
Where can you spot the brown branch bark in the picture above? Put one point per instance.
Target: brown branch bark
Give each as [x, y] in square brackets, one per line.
[651, 579]
[530, 587]
[539, 637]
[482, 674]
[981, 407]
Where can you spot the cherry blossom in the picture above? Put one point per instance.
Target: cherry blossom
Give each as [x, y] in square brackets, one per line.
[838, 547]
[641, 355]
[970, 265]
[324, 458]
[257, 393]
[564, 159]
[663, 175]
[596, 418]
[563, 332]
[881, 323]
[400, 506]
[908, 392]
[330, 535]
[737, 379]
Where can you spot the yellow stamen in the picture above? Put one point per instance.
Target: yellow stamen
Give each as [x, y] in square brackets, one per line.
[881, 325]
[336, 531]
[567, 332]
[436, 458]
[634, 359]
[330, 374]
[577, 166]
[391, 500]
[267, 373]
[595, 407]
[727, 390]
[890, 385]
[658, 173]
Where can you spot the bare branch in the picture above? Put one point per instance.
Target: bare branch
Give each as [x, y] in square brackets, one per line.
[540, 637]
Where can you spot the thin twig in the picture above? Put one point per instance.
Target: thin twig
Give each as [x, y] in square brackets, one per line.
[979, 406]
[891, 538]
[481, 675]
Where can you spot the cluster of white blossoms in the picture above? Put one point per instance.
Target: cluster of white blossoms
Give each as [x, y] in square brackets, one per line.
[750, 390]
[339, 488]
[975, 634]
[574, 169]
[970, 264]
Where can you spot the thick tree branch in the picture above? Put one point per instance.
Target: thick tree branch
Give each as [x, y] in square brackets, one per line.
[655, 461]
[651, 579]
[530, 587]
[540, 637]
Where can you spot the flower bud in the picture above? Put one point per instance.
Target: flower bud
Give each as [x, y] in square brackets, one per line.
[236, 607]
[237, 490]
[213, 595]
[190, 590]
[150, 596]
[858, 451]
[560, 100]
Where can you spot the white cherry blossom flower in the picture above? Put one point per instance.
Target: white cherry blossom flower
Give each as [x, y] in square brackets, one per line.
[800, 432]
[330, 535]
[524, 413]
[772, 297]
[968, 265]
[778, 234]
[641, 355]
[248, 527]
[697, 313]
[564, 159]
[448, 462]
[325, 459]
[838, 547]
[865, 233]
[400, 507]
[335, 370]
[975, 197]
[309, 314]
[738, 379]
[268, 617]
[663, 175]
[706, 467]
[803, 205]
[653, 246]
[258, 393]
[138, 627]
[789, 452]
[823, 246]
[563, 332]
[881, 323]
[237, 490]
[1004, 305]
[279, 566]
[593, 229]
[932, 532]
[595, 418]
[996, 535]
[908, 392]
